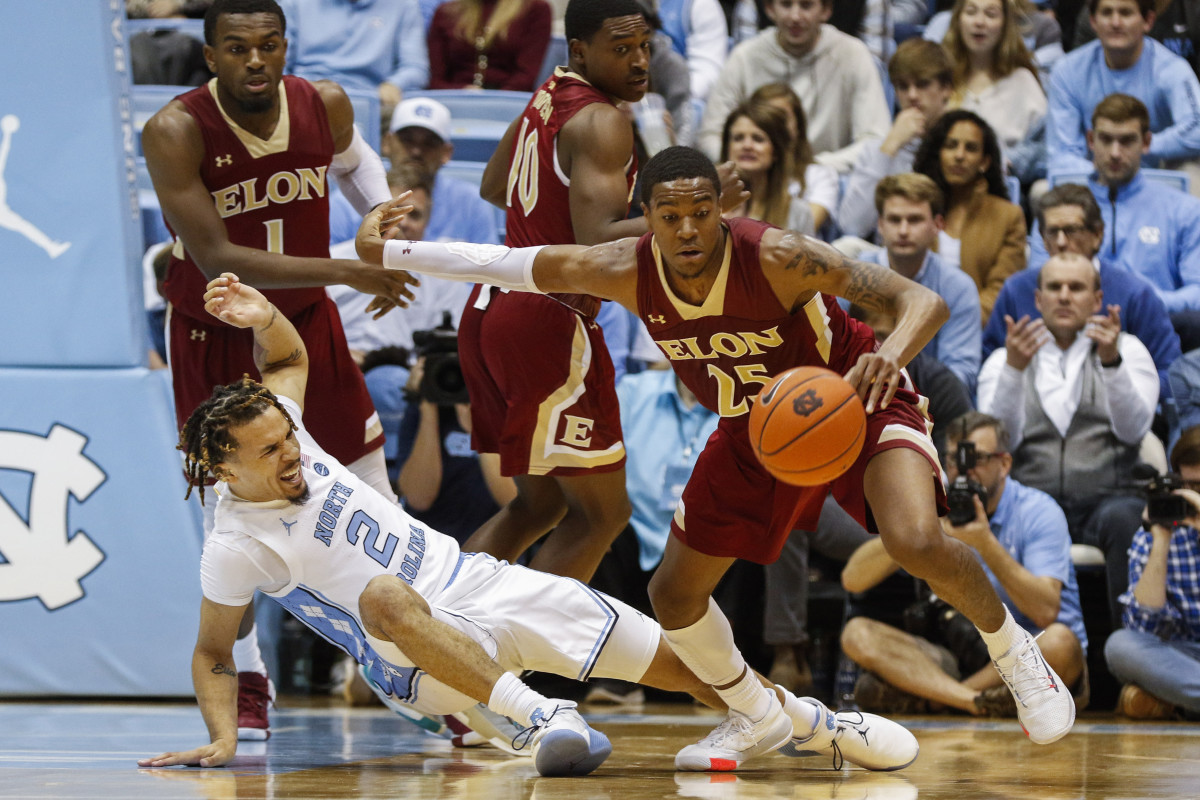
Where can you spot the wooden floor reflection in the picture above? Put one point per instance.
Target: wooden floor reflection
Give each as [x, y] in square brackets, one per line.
[82, 750]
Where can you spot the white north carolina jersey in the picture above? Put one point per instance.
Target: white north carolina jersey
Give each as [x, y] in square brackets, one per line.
[344, 535]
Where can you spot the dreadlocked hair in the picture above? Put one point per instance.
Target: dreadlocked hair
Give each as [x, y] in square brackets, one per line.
[205, 439]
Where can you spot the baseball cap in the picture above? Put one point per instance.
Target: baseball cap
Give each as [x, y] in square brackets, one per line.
[421, 112]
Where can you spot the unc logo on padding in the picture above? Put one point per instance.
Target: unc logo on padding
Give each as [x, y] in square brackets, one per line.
[1148, 234]
[321, 469]
[807, 402]
[42, 557]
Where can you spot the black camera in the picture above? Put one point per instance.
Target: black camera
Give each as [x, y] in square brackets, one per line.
[443, 382]
[1163, 506]
[961, 497]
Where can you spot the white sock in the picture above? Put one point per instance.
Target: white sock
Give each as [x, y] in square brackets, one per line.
[748, 696]
[1002, 641]
[247, 657]
[515, 700]
[805, 715]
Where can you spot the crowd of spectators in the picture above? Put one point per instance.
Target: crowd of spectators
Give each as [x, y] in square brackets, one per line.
[923, 136]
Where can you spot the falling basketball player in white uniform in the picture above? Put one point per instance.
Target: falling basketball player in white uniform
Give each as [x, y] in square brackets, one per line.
[436, 628]
[10, 124]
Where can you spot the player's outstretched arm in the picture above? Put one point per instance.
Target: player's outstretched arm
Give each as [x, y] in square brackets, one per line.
[798, 265]
[607, 270]
[279, 352]
[216, 684]
[174, 151]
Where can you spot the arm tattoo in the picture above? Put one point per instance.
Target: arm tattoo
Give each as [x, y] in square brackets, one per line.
[221, 669]
[274, 314]
[864, 288]
[814, 261]
[290, 358]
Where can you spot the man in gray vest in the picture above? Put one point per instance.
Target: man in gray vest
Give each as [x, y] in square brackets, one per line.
[1078, 396]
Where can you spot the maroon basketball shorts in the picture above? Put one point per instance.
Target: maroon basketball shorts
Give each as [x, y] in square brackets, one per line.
[733, 508]
[541, 384]
[337, 409]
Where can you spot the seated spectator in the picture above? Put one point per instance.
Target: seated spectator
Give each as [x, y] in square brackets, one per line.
[368, 45]
[910, 216]
[1078, 397]
[698, 32]
[1020, 537]
[167, 56]
[994, 73]
[1070, 221]
[434, 296]
[442, 481]
[1153, 230]
[984, 233]
[871, 21]
[833, 74]
[1128, 61]
[814, 183]
[1040, 31]
[921, 75]
[1157, 652]
[488, 44]
[756, 140]
[420, 135]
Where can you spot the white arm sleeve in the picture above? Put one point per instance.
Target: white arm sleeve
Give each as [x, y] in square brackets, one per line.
[359, 174]
[506, 267]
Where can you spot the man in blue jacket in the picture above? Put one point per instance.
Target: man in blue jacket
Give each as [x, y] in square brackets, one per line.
[1070, 221]
[1123, 59]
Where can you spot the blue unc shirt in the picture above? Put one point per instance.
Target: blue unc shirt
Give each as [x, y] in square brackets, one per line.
[1033, 529]
[459, 214]
[957, 344]
[663, 439]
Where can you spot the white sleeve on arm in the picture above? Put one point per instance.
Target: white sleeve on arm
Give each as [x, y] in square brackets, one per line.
[506, 267]
[1132, 390]
[359, 174]
[1002, 393]
[230, 576]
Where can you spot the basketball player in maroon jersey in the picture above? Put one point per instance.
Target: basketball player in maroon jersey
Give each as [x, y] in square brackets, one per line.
[537, 368]
[733, 303]
[240, 167]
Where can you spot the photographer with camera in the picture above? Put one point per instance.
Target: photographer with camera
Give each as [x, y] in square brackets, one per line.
[443, 482]
[1157, 654]
[1078, 397]
[1020, 536]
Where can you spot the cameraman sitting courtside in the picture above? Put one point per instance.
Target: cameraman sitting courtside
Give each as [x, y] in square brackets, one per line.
[1020, 536]
[1157, 654]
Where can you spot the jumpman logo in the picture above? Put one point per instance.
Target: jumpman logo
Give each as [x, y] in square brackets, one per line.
[287, 525]
[10, 124]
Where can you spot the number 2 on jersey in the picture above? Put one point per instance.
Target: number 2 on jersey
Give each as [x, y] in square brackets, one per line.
[523, 174]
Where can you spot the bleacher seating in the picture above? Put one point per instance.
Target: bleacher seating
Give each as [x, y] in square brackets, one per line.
[192, 27]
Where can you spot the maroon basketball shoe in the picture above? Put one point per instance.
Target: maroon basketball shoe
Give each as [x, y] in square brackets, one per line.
[255, 693]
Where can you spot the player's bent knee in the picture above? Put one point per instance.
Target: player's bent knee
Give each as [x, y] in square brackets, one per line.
[389, 601]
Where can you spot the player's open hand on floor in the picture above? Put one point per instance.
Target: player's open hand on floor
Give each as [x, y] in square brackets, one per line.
[217, 754]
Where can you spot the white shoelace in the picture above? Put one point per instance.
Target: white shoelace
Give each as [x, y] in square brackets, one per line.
[1029, 675]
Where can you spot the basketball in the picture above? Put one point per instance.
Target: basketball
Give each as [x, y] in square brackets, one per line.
[808, 426]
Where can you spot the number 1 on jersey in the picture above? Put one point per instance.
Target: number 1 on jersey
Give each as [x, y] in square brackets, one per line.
[274, 235]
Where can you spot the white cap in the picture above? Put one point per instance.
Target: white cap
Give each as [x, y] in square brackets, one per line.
[421, 112]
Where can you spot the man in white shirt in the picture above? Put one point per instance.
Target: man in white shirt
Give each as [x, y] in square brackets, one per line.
[1078, 396]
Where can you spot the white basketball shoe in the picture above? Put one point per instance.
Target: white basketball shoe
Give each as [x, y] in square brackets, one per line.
[1044, 706]
[563, 744]
[868, 740]
[735, 740]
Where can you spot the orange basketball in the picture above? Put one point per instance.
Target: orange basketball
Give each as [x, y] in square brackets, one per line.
[808, 426]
